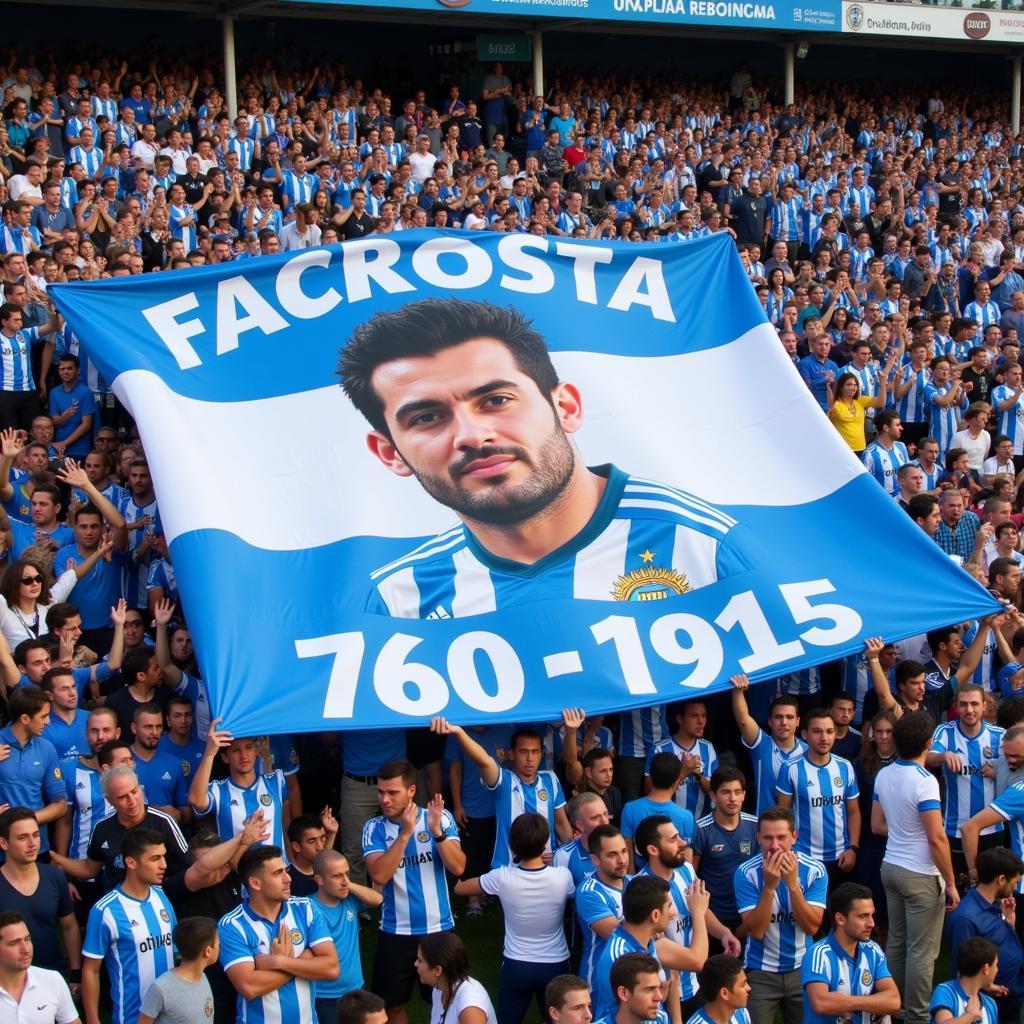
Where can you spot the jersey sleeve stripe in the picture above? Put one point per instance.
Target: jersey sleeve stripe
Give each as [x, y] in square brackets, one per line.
[435, 546]
[641, 484]
[677, 510]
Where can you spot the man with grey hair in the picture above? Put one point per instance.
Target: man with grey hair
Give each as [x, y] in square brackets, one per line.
[123, 793]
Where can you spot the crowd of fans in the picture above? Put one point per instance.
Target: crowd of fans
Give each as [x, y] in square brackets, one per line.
[158, 869]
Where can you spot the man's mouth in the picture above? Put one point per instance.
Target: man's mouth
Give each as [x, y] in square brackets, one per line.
[493, 465]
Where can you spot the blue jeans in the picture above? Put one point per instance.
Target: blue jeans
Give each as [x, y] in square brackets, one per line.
[518, 983]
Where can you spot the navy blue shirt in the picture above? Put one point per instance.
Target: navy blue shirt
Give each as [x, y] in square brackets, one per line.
[815, 374]
[41, 911]
[976, 917]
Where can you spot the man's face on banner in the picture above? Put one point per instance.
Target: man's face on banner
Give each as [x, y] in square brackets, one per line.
[477, 432]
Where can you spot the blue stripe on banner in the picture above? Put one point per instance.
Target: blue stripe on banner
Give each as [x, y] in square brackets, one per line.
[219, 337]
[380, 671]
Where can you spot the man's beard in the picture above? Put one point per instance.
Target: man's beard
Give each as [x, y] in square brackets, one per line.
[551, 474]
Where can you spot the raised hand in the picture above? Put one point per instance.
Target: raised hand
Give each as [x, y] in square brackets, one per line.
[164, 612]
[329, 822]
[574, 718]
[119, 612]
[442, 727]
[10, 445]
[254, 829]
[410, 817]
[698, 899]
[73, 475]
[740, 682]
[217, 739]
[873, 646]
[435, 810]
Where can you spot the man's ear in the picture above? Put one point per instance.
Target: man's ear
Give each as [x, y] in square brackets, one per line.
[384, 448]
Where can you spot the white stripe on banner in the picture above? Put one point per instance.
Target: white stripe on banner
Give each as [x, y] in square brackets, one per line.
[738, 446]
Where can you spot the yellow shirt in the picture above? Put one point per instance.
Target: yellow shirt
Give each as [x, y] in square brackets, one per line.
[851, 424]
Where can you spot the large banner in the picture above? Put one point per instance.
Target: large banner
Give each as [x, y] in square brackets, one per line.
[560, 473]
[808, 16]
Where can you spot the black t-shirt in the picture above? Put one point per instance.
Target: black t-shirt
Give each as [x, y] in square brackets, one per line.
[50, 901]
[949, 202]
[124, 704]
[193, 187]
[108, 835]
[359, 225]
[302, 884]
[212, 901]
[983, 383]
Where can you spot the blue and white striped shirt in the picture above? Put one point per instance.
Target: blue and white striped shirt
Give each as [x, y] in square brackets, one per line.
[619, 944]
[680, 929]
[819, 794]
[884, 463]
[951, 996]
[645, 540]
[594, 902]
[786, 221]
[784, 944]
[641, 730]
[1011, 420]
[769, 760]
[416, 900]
[944, 419]
[244, 936]
[231, 805]
[16, 360]
[831, 965]
[134, 938]
[690, 794]
[513, 797]
[298, 188]
[88, 806]
[968, 791]
[913, 407]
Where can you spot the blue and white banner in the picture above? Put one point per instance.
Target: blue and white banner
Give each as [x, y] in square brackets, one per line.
[722, 526]
[808, 16]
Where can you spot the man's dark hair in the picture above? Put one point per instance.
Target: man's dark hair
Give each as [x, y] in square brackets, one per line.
[301, 824]
[999, 567]
[996, 861]
[9, 917]
[628, 968]
[844, 896]
[777, 813]
[11, 817]
[529, 835]
[593, 755]
[60, 614]
[665, 770]
[784, 700]
[643, 895]
[886, 418]
[559, 987]
[1010, 712]
[907, 669]
[138, 840]
[912, 732]
[527, 733]
[253, 860]
[725, 774]
[192, 935]
[136, 662]
[46, 683]
[599, 834]
[920, 506]
[399, 768]
[355, 1006]
[430, 326]
[718, 972]
[973, 954]
[26, 700]
[105, 755]
[36, 643]
[646, 833]
[940, 636]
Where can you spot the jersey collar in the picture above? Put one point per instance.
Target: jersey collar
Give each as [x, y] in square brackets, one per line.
[603, 515]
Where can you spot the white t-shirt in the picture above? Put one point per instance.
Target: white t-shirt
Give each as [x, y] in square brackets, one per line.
[19, 187]
[46, 999]
[905, 790]
[993, 467]
[976, 448]
[469, 993]
[533, 901]
[422, 166]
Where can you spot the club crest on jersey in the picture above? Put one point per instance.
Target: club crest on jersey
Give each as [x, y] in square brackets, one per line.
[542, 794]
[164, 916]
[745, 846]
[208, 1008]
[296, 936]
[56, 774]
[986, 752]
[421, 837]
[865, 977]
[650, 584]
[837, 781]
[186, 768]
[265, 800]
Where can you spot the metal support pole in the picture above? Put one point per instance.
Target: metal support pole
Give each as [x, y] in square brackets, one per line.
[230, 82]
[789, 75]
[538, 63]
[1015, 96]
